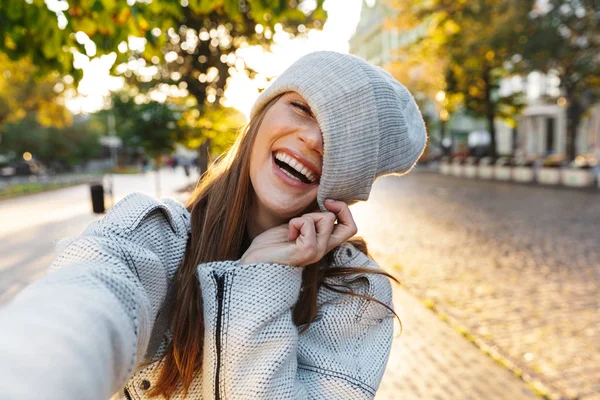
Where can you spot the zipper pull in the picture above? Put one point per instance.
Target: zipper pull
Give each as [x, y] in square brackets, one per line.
[220, 286]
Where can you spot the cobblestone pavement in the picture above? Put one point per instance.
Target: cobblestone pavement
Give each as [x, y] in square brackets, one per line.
[430, 360]
[517, 266]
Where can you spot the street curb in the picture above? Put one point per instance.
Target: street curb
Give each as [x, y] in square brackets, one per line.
[590, 189]
[537, 386]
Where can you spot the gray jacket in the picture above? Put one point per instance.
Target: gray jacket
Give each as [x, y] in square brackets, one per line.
[97, 325]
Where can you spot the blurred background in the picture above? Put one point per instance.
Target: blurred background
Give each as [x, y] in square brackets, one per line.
[495, 234]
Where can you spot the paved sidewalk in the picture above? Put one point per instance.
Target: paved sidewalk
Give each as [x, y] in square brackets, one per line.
[430, 360]
[31, 225]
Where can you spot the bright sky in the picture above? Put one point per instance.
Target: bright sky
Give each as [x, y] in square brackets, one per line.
[343, 16]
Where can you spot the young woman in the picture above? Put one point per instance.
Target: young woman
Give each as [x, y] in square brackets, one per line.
[255, 289]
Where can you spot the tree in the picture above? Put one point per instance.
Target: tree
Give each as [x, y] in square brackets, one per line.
[213, 132]
[23, 92]
[421, 69]
[471, 44]
[30, 31]
[199, 52]
[149, 125]
[189, 46]
[155, 127]
[58, 148]
[185, 40]
[564, 37]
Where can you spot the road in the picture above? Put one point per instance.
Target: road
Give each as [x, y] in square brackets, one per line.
[516, 266]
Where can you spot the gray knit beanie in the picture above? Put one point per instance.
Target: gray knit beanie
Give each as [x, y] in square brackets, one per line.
[370, 123]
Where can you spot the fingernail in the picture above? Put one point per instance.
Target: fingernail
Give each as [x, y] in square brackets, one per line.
[329, 201]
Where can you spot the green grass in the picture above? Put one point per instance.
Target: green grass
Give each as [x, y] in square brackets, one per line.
[127, 170]
[21, 189]
[30, 188]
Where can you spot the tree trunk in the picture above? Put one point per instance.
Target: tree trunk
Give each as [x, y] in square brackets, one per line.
[490, 113]
[574, 113]
[443, 136]
[203, 156]
[492, 130]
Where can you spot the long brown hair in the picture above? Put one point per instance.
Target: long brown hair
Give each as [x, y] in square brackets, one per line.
[219, 213]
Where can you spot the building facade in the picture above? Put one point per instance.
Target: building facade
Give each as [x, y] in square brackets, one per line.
[543, 124]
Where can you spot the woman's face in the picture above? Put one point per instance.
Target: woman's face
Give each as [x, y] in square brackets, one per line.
[287, 157]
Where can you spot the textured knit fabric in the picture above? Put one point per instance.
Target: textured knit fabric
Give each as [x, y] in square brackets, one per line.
[96, 325]
[370, 123]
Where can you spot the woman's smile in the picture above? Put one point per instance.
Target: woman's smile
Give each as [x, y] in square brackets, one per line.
[294, 169]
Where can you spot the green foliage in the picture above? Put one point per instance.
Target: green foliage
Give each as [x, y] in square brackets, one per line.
[198, 51]
[190, 43]
[471, 44]
[24, 92]
[564, 37]
[66, 146]
[479, 52]
[30, 31]
[218, 125]
[156, 127]
[151, 126]
[480, 42]
[47, 37]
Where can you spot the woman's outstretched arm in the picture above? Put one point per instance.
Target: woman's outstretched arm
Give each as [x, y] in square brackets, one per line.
[80, 331]
[253, 349]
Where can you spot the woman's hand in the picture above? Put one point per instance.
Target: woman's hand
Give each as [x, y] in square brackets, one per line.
[304, 240]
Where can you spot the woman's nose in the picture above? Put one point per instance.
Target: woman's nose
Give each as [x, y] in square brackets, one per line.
[313, 138]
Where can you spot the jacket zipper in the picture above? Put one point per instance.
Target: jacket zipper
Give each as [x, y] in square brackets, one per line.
[220, 291]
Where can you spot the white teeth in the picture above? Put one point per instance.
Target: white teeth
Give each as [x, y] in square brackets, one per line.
[283, 157]
[290, 175]
[294, 164]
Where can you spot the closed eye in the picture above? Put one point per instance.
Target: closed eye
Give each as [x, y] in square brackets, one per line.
[302, 107]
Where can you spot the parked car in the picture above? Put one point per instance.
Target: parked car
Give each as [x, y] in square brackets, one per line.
[20, 168]
[7, 170]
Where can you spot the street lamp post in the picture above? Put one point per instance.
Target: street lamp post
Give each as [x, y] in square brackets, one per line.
[444, 116]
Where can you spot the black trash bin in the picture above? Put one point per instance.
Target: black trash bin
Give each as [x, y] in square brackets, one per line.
[97, 192]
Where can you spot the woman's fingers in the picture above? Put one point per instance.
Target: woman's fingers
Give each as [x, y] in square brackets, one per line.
[324, 223]
[302, 229]
[294, 228]
[307, 243]
[312, 232]
[345, 228]
[317, 233]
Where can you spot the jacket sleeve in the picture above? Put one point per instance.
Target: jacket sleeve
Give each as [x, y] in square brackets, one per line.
[80, 331]
[253, 350]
